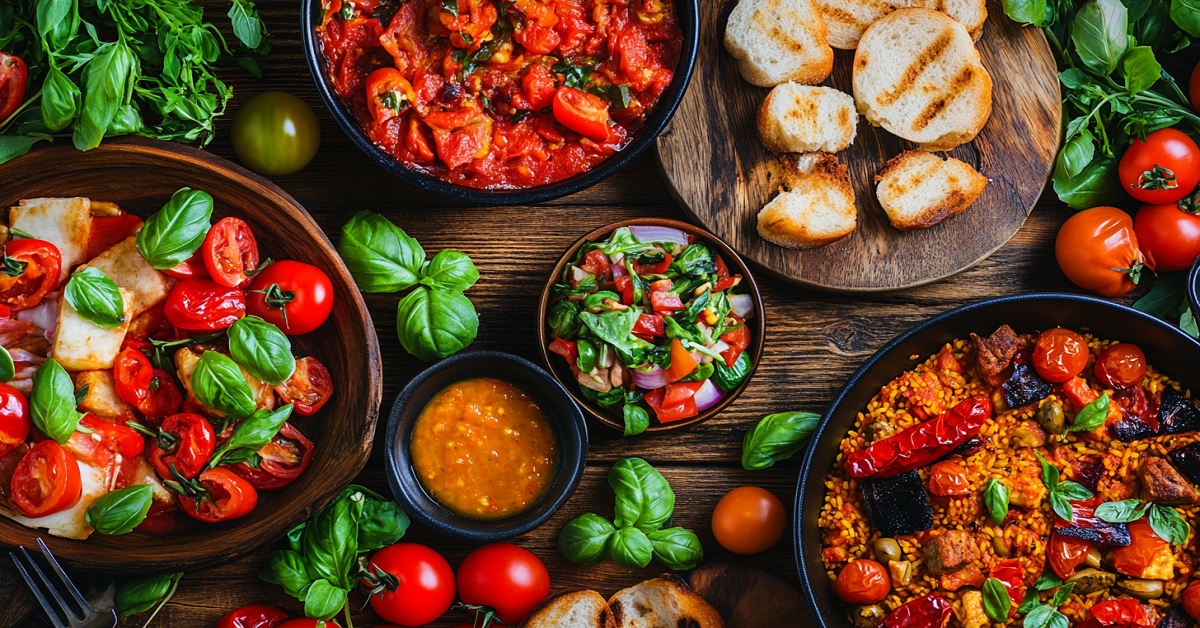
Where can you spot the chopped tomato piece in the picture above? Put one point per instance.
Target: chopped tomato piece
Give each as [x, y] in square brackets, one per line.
[584, 113]
[567, 349]
[656, 269]
[677, 393]
[596, 263]
[650, 325]
[686, 409]
[665, 302]
[682, 362]
[737, 339]
[662, 285]
[625, 286]
[110, 230]
[538, 85]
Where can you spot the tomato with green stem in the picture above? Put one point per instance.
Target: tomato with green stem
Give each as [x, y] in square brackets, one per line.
[29, 270]
[1097, 249]
[1162, 169]
[294, 296]
[1168, 235]
[13, 76]
[584, 113]
[503, 579]
[230, 252]
[46, 480]
[215, 495]
[275, 133]
[15, 419]
[183, 445]
[409, 584]
[163, 398]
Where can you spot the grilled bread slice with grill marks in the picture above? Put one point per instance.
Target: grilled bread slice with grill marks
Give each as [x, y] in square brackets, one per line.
[919, 189]
[776, 41]
[800, 118]
[846, 20]
[815, 206]
[918, 75]
[664, 602]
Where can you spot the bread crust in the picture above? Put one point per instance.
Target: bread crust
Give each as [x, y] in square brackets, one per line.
[847, 20]
[695, 612]
[818, 63]
[550, 613]
[954, 203]
[804, 173]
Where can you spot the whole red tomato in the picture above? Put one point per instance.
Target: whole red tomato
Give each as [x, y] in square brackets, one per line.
[1097, 249]
[410, 584]
[13, 74]
[503, 577]
[203, 305]
[295, 296]
[1191, 595]
[14, 418]
[1059, 355]
[863, 582]
[1169, 236]
[1121, 366]
[1162, 169]
[253, 616]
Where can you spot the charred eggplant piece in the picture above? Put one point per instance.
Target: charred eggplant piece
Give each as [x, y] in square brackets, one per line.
[1132, 428]
[1176, 617]
[898, 505]
[1176, 413]
[968, 447]
[1087, 526]
[1187, 461]
[1024, 387]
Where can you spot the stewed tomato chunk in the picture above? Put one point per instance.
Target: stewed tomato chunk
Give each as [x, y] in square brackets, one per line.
[46, 480]
[29, 270]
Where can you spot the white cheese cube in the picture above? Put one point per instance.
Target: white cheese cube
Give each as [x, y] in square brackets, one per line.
[64, 222]
[129, 270]
[81, 345]
[101, 399]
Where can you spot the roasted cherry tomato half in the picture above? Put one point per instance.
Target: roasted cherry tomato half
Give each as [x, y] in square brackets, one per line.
[1169, 236]
[230, 252]
[294, 296]
[949, 478]
[424, 589]
[219, 495]
[584, 113]
[748, 520]
[164, 397]
[204, 305]
[30, 271]
[253, 616]
[132, 373]
[184, 442]
[1162, 169]
[191, 268]
[1066, 553]
[1144, 550]
[46, 480]
[863, 581]
[505, 578]
[14, 419]
[389, 94]
[309, 387]
[13, 75]
[1059, 355]
[114, 435]
[282, 460]
[1097, 249]
[1121, 366]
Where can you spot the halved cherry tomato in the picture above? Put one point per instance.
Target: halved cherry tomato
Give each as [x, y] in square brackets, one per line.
[117, 437]
[220, 496]
[949, 477]
[389, 94]
[13, 74]
[14, 419]
[1066, 553]
[230, 252]
[1097, 249]
[650, 326]
[309, 387]
[184, 442]
[1121, 366]
[567, 349]
[46, 480]
[863, 581]
[676, 394]
[1144, 549]
[28, 272]
[584, 113]
[191, 268]
[253, 616]
[1162, 169]
[164, 397]
[282, 460]
[1059, 355]
[203, 304]
[110, 230]
[294, 296]
[737, 338]
[682, 362]
[132, 373]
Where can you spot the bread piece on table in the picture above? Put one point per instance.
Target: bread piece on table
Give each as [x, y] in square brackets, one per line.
[815, 206]
[577, 609]
[846, 20]
[800, 119]
[776, 41]
[918, 75]
[664, 602]
[919, 189]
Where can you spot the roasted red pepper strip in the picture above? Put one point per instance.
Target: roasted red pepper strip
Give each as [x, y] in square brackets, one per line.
[931, 611]
[1118, 614]
[1012, 576]
[920, 444]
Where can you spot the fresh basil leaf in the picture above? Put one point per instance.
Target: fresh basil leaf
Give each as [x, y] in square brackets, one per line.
[623, 241]
[1049, 472]
[1168, 524]
[1060, 505]
[614, 326]
[139, 593]
[450, 270]
[1099, 35]
[382, 522]
[637, 419]
[704, 370]
[1062, 595]
[13, 146]
[1142, 70]
[1164, 299]
[631, 549]
[8, 370]
[379, 255]
[120, 511]
[1047, 581]
[247, 25]
[1029, 603]
[262, 349]
[60, 99]
[250, 435]
[330, 540]
[286, 568]
[678, 549]
[1124, 511]
[777, 437]
[172, 234]
[586, 539]
[1026, 11]
[1097, 184]
[1039, 617]
[596, 299]
[106, 82]
[728, 378]
[1075, 155]
[644, 499]
[585, 286]
[1186, 15]
[96, 298]
[219, 384]
[996, 602]
[323, 600]
[995, 497]
[435, 323]
[1073, 491]
[52, 403]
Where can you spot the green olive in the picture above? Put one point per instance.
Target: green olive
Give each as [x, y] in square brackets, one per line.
[1000, 546]
[275, 133]
[1142, 589]
[1050, 416]
[887, 549]
[1092, 580]
[1093, 558]
[866, 616]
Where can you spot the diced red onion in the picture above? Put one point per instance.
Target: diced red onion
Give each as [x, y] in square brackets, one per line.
[648, 234]
[708, 396]
[656, 378]
[742, 304]
[618, 269]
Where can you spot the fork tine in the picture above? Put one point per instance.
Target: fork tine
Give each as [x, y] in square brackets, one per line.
[68, 613]
[37, 592]
[83, 605]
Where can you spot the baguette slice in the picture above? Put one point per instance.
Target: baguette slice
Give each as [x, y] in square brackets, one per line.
[847, 20]
[664, 602]
[815, 207]
[918, 75]
[776, 41]
[577, 609]
[802, 119]
[918, 189]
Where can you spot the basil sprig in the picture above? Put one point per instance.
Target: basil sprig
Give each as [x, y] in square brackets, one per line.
[380, 256]
[777, 437]
[1164, 520]
[451, 270]
[995, 497]
[52, 404]
[262, 349]
[172, 234]
[1092, 415]
[251, 435]
[96, 297]
[1061, 492]
[120, 511]
[8, 370]
[1048, 615]
[435, 323]
[996, 601]
[644, 498]
[140, 593]
[219, 384]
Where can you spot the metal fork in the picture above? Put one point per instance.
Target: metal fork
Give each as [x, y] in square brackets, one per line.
[62, 612]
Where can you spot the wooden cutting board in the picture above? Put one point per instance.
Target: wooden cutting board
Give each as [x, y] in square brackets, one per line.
[720, 173]
[749, 598]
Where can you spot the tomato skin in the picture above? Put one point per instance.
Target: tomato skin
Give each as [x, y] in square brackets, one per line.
[115, 435]
[506, 578]
[1144, 545]
[1121, 366]
[232, 497]
[1191, 595]
[748, 520]
[309, 387]
[40, 277]
[584, 113]
[1170, 149]
[863, 581]
[46, 463]
[13, 76]
[311, 296]
[737, 339]
[382, 84]
[163, 400]
[191, 268]
[15, 419]
[1095, 249]
[1059, 355]
[305, 622]
[426, 588]
[108, 231]
[230, 250]
[1066, 553]
[253, 616]
[283, 460]
[1169, 236]
[132, 373]
[275, 133]
[949, 477]
[682, 363]
[194, 444]
[203, 305]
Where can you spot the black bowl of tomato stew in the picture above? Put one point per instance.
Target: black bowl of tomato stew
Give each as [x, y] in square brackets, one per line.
[484, 446]
[501, 102]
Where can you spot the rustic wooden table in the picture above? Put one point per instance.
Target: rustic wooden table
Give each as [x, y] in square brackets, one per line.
[814, 340]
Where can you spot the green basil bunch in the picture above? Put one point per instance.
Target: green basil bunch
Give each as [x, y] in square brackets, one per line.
[777, 437]
[96, 298]
[644, 504]
[435, 320]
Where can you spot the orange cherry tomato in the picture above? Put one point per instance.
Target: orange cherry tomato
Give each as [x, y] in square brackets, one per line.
[46, 480]
[1121, 366]
[1097, 249]
[1143, 548]
[748, 520]
[389, 94]
[863, 582]
[584, 113]
[1191, 595]
[1066, 553]
[1059, 355]
[949, 477]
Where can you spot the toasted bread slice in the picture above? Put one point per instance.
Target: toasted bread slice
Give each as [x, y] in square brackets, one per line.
[776, 41]
[919, 189]
[801, 119]
[664, 602]
[918, 75]
[815, 206]
[847, 20]
[576, 609]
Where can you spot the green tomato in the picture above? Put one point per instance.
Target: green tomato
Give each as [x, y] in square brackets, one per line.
[275, 133]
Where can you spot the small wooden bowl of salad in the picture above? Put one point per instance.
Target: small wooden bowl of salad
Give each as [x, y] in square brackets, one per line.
[651, 324]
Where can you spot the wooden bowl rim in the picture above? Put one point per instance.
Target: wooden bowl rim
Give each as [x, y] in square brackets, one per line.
[756, 344]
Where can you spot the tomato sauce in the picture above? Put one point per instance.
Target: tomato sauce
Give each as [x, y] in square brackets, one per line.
[484, 449]
[501, 94]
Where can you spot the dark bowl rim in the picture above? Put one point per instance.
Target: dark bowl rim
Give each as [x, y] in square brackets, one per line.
[689, 23]
[852, 382]
[757, 343]
[572, 463]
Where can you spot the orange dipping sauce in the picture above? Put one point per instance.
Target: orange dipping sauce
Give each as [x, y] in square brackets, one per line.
[484, 449]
